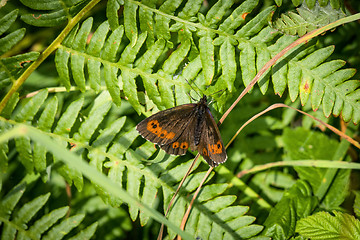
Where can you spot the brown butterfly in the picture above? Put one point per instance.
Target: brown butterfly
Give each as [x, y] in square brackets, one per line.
[186, 126]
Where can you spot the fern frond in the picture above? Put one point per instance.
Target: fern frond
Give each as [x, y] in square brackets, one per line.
[145, 183]
[256, 44]
[13, 38]
[105, 52]
[307, 19]
[51, 13]
[31, 155]
[327, 84]
[27, 222]
[215, 30]
[26, 114]
[12, 67]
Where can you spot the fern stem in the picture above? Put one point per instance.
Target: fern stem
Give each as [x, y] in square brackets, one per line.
[53, 46]
[303, 163]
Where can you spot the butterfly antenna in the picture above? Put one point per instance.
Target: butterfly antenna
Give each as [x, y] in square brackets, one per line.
[191, 97]
[194, 88]
[222, 90]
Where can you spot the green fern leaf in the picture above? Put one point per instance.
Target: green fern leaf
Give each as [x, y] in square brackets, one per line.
[228, 65]
[102, 142]
[146, 22]
[10, 106]
[146, 63]
[96, 43]
[12, 67]
[68, 118]
[87, 233]
[26, 114]
[133, 187]
[4, 149]
[128, 78]
[61, 58]
[78, 53]
[207, 58]
[63, 228]
[52, 13]
[4, 127]
[110, 53]
[237, 17]
[23, 223]
[130, 23]
[307, 18]
[112, 9]
[24, 215]
[323, 225]
[7, 20]
[31, 107]
[63, 128]
[217, 12]
[9, 201]
[48, 220]
[169, 68]
[11, 39]
[256, 24]
[77, 61]
[45, 123]
[97, 113]
[162, 22]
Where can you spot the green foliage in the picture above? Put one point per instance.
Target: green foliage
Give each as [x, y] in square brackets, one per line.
[296, 203]
[28, 222]
[12, 67]
[127, 58]
[51, 13]
[323, 225]
[357, 204]
[307, 19]
[299, 144]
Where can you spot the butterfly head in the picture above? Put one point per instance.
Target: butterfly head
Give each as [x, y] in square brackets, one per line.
[203, 100]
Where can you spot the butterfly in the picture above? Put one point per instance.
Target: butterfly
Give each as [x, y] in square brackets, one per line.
[186, 126]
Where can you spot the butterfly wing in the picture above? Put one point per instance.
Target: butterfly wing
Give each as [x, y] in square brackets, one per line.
[184, 141]
[168, 129]
[211, 146]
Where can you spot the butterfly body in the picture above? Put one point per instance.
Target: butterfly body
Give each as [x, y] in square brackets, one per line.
[186, 126]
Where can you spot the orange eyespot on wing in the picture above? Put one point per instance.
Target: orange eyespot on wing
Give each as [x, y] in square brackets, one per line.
[153, 126]
[184, 145]
[205, 152]
[162, 133]
[166, 127]
[211, 146]
[175, 145]
[215, 148]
